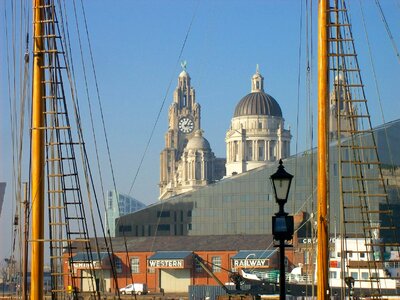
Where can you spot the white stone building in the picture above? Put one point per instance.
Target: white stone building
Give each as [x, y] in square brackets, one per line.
[257, 135]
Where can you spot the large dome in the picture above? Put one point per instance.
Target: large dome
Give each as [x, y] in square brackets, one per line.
[198, 142]
[258, 103]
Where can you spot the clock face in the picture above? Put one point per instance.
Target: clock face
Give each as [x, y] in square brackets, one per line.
[186, 125]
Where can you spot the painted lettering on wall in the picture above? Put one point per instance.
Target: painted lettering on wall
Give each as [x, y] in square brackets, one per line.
[166, 263]
[309, 240]
[250, 263]
[87, 265]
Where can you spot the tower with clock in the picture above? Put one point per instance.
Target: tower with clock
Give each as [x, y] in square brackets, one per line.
[186, 162]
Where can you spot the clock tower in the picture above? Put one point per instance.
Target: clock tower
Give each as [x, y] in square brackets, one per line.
[183, 125]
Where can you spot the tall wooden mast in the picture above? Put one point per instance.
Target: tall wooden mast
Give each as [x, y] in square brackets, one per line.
[37, 156]
[323, 161]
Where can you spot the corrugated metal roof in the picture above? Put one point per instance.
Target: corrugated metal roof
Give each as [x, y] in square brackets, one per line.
[83, 256]
[170, 255]
[253, 254]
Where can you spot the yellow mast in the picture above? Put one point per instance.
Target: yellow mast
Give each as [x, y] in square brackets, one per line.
[37, 156]
[323, 161]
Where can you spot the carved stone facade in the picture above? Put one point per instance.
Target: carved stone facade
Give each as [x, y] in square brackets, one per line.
[187, 161]
[257, 135]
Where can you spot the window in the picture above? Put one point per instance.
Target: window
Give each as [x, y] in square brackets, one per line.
[118, 264]
[364, 275]
[332, 275]
[235, 151]
[216, 264]
[306, 257]
[261, 151]
[362, 255]
[197, 171]
[198, 268]
[163, 227]
[249, 150]
[163, 214]
[354, 275]
[272, 150]
[125, 228]
[135, 265]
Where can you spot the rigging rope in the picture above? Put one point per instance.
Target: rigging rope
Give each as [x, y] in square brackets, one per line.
[12, 112]
[85, 159]
[298, 101]
[17, 70]
[108, 152]
[389, 32]
[310, 118]
[163, 101]
[100, 105]
[387, 140]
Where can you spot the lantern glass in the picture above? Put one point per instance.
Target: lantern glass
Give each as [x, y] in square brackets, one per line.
[281, 187]
[281, 181]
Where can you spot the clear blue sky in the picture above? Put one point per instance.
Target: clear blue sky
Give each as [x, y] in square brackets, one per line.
[136, 46]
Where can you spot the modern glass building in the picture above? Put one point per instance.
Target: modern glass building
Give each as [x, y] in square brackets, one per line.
[119, 205]
[244, 204]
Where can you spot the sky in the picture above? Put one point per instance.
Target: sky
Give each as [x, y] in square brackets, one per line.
[136, 47]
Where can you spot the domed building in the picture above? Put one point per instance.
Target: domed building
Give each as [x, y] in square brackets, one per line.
[257, 136]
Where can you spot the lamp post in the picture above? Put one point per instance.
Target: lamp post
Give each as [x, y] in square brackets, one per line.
[282, 223]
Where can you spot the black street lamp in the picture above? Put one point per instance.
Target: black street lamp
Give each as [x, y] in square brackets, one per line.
[282, 223]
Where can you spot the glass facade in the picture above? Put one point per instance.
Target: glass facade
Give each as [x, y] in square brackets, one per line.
[244, 203]
[119, 205]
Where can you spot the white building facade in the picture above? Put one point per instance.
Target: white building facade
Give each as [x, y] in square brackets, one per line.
[257, 135]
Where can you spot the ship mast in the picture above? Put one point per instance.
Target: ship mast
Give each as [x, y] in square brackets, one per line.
[37, 157]
[323, 165]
